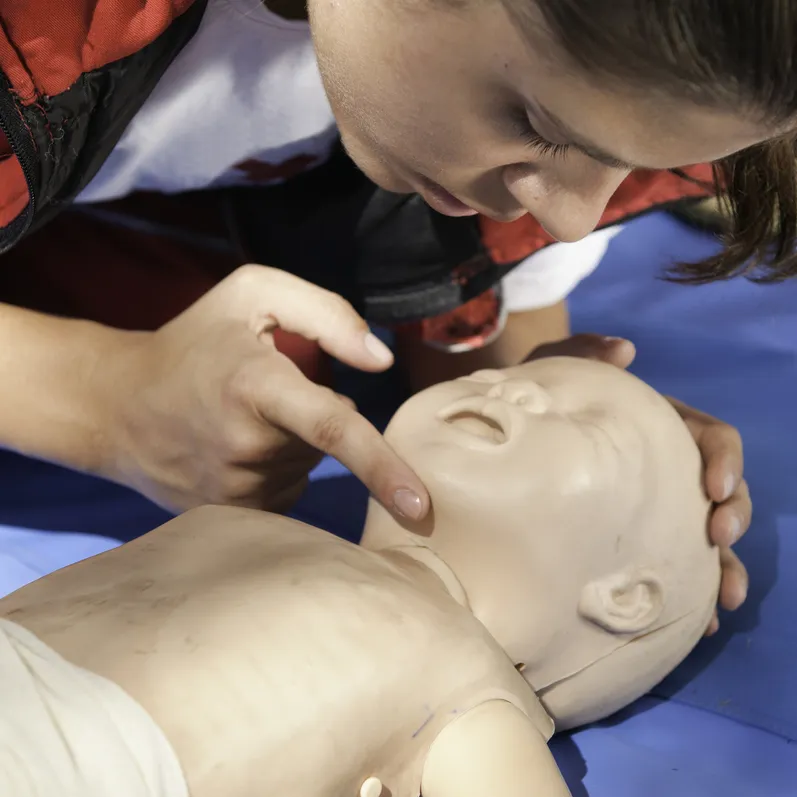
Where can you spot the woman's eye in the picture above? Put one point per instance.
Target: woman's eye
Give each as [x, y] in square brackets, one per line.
[543, 146]
[533, 140]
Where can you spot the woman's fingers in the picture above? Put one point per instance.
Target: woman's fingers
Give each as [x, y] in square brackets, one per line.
[615, 351]
[320, 418]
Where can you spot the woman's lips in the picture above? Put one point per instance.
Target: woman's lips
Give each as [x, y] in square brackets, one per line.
[446, 203]
[442, 201]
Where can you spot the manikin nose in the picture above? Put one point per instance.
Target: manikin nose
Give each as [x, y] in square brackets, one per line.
[526, 394]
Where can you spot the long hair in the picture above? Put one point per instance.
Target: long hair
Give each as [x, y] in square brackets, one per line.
[726, 54]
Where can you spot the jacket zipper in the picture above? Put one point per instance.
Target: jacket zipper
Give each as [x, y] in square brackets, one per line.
[21, 145]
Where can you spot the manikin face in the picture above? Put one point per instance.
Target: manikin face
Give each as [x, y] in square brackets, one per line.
[567, 500]
[447, 100]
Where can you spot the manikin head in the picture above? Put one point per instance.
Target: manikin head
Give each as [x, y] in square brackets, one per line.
[568, 511]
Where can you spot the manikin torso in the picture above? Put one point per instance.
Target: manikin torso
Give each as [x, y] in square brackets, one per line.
[279, 659]
[330, 664]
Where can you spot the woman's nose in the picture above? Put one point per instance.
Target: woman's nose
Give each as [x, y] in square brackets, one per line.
[568, 198]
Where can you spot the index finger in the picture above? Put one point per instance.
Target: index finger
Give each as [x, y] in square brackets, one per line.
[320, 418]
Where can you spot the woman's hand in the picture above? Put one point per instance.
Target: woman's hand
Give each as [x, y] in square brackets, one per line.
[721, 448]
[206, 410]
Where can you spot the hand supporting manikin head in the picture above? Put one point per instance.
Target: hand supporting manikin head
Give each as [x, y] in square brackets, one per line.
[569, 514]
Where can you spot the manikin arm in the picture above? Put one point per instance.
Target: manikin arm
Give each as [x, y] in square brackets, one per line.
[493, 749]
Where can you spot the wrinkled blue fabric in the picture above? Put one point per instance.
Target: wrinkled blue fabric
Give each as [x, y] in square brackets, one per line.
[725, 723]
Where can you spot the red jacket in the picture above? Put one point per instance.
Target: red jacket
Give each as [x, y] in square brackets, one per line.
[75, 72]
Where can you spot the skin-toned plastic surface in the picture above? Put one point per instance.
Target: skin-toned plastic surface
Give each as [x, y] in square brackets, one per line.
[567, 541]
[277, 658]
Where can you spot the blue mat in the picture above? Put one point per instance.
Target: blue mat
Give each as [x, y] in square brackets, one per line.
[723, 725]
[665, 749]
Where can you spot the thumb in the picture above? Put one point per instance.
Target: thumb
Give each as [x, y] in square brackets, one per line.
[492, 749]
[615, 351]
[280, 299]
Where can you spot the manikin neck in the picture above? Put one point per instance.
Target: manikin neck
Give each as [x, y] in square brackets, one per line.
[385, 535]
[432, 564]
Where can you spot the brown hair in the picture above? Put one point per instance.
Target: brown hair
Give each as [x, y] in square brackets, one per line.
[722, 53]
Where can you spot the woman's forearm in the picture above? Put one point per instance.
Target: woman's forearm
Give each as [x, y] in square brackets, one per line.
[55, 380]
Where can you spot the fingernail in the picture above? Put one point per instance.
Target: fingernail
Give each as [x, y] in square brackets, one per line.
[408, 504]
[713, 627]
[743, 594]
[378, 350]
[619, 342]
[736, 529]
[727, 487]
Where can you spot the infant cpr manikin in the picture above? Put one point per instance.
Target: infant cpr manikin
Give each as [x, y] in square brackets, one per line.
[565, 569]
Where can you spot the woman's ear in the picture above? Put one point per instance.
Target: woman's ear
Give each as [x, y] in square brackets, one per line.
[627, 602]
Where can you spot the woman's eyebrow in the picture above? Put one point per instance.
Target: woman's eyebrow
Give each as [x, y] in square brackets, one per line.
[589, 149]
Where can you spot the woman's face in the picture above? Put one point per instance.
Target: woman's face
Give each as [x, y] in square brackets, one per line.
[451, 102]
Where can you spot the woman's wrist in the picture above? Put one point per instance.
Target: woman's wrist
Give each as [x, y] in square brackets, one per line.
[122, 382]
[117, 377]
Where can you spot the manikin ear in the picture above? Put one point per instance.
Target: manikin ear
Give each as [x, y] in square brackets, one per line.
[493, 749]
[627, 602]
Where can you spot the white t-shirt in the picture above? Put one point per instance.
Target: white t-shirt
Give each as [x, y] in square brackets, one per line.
[243, 104]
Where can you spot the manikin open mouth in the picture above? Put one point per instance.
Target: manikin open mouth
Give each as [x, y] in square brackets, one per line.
[486, 420]
[478, 425]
